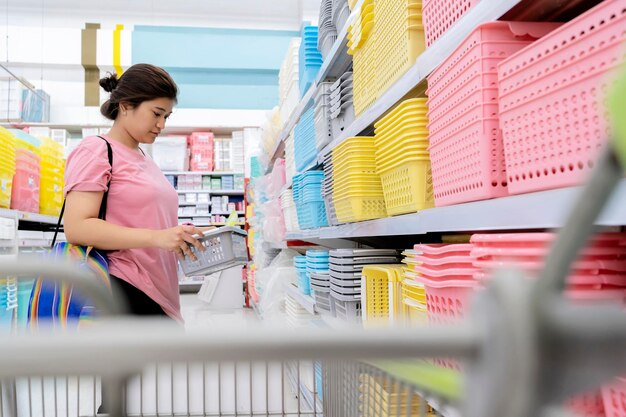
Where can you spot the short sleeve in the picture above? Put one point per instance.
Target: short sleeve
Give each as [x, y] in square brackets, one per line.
[87, 167]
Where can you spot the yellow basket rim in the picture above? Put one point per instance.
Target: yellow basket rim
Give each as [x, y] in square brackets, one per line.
[391, 164]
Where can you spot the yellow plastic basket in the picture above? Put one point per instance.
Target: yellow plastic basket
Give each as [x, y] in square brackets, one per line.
[416, 313]
[396, 160]
[401, 153]
[393, 46]
[6, 183]
[413, 290]
[381, 397]
[383, 301]
[408, 188]
[404, 112]
[360, 208]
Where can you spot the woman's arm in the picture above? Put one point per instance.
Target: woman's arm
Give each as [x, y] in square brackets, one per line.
[83, 227]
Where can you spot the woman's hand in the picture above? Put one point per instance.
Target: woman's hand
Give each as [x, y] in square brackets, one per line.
[178, 240]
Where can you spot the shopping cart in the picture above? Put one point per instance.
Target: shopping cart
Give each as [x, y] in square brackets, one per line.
[524, 347]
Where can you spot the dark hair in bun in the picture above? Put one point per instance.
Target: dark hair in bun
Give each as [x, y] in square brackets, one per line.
[109, 82]
[139, 83]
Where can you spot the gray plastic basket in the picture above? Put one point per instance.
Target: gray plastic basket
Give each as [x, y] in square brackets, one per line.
[347, 310]
[225, 248]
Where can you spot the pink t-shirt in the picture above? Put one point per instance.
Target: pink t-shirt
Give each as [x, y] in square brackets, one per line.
[140, 197]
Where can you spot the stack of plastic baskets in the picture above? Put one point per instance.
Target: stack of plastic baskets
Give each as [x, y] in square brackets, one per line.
[7, 166]
[289, 211]
[386, 40]
[466, 148]
[51, 181]
[414, 305]
[382, 303]
[303, 278]
[346, 266]
[357, 189]
[341, 13]
[288, 81]
[201, 151]
[598, 274]
[307, 194]
[297, 316]
[327, 190]
[320, 285]
[327, 28]
[402, 159]
[553, 111]
[323, 132]
[8, 302]
[390, 399]
[341, 104]
[305, 147]
[440, 15]
[317, 263]
[448, 273]
[309, 58]
[25, 192]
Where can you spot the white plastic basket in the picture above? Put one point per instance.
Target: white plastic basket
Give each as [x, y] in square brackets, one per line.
[225, 248]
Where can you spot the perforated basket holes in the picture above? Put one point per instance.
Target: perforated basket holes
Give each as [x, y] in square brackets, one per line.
[440, 15]
[558, 140]
[552, 100]
[470, 167]
[483, 104]
[444, 306]
[214, 250]
[453, 131]
[398, 188]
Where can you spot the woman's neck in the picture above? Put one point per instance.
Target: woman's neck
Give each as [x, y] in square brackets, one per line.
[121, 135]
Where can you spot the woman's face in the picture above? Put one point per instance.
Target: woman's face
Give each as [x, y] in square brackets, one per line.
[146, 121]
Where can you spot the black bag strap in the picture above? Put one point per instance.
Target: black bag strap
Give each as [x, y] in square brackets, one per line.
[103, 205]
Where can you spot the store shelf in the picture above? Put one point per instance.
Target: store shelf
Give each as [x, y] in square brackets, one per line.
[541, 210]
[211, 173]
[192, 204]
[484, 11]
[304, 235]
[216, 192]
[306, 301]
[227, 213]
[29, 217]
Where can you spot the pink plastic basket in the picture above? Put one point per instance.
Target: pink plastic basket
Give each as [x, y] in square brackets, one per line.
[551, 100]
[614, 398]
[25, 191]
[465, 137]
[440, 15]
[587, 405]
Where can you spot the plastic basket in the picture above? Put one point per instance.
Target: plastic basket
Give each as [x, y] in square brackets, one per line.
[614, 398]
[440, 15]
[225, 248]
[413, 290]
[407, 188]
[552, 105]
[356, 209]
[415, 313]
[587, 405]
[25, 190]
[349, 311]
[466, 150]
[382, 300]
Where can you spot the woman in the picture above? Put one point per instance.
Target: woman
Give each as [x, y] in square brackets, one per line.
[141, 231]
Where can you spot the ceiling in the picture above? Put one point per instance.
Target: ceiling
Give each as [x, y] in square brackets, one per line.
[258, 13]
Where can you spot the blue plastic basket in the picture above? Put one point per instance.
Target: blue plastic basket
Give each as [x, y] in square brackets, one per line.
[304, 282]
[318, 380]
